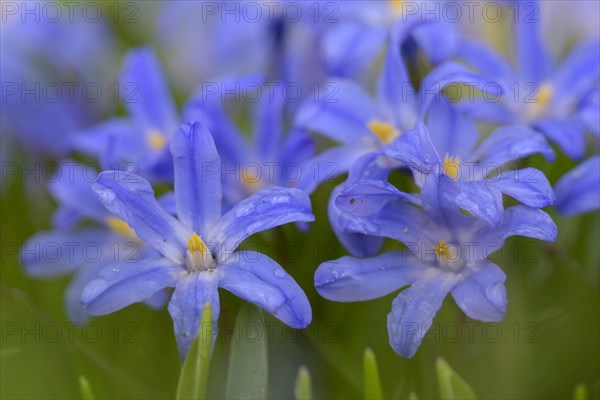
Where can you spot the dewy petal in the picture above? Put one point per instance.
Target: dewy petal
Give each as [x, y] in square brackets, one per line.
[415, 149]
[360, 279]
[532, 57]
[414, 308]
[567, 133]
[131, 198]
[518, 220]
[578, 191]
[509, 143]
[263, 210]
[197, 166]
[260, 280]
[119, 285]
[145, 92]
[366, 197]
[528, 185]
[450, 131]
[357, 244]
[192, 293]
[482, 294]
[342, 114]
[57, 253]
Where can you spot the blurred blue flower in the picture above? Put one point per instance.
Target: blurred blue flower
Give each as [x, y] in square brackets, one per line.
[538, 93]
[475, 176]
[578, 191]
[141, 139]
[198, 249]
[83, 250]
[444, 255]
[270, 157]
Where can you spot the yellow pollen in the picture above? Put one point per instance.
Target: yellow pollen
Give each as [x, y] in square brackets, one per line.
[156, 140]
[120, 226]
[442, 250]
[544, 95]
[396, 7]
[451, 166]
[196, 244]
[385, 132]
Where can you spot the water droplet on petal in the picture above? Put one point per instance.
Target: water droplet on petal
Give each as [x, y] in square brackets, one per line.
[279, 273]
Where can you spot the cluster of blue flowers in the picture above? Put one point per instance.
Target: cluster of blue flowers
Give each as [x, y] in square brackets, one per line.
[440, 173]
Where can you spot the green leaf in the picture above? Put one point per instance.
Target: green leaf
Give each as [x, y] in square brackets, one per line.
[580, 392]
[372, 383]
[247, 375]
[85, 389]
[451, 385]
[194, 373]
[412, 396]
[303, 389]
[9, 352]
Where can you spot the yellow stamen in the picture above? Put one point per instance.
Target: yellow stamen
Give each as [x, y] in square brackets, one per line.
[396, 7]
[120, 226]
[536, 107]
[544, 95]
[384, 131]
[196, 244]
[251, 180]
[443, 251]
[156, 140]
[451, 166]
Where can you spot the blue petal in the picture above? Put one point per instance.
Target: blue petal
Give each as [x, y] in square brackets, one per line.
[367, 197]
[65, 217]
[146, 94]
[414, 308]
[263, 210]
[578, 73]
[487, 110]
[268, 120]
[589, 111]
[357, 244]
[197, 167]
[532, 57]
[439, 40]
[448, 74]
[451, 132]
[528, 185]
[73, 188]
[518, 220]
[57, 253]
[327, 165]
[260, 280]
[482, 294]
[360, 279]
[342, 114]
[509, 143]
[567, 133]
[578, 191]
[119, 285]
[415, 149]
[74, 291]
[131, 198]
[486, 60]
[192, 293]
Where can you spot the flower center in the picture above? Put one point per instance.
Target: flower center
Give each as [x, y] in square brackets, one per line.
[199, 257]
[384, 131]
[121, 227]
[156, 140]
[540, 102]
[451, 166]
[251, 180]
[396, 7]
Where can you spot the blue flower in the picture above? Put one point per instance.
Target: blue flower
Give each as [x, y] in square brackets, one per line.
[446, 255]
[537, 93]
[270, 158]
[142, 138]
[578, 191]
[71, 248]
[475, 175]
[198, 249]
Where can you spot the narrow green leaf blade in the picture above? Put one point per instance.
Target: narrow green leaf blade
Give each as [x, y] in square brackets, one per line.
[247, 375]
[194, 373]
[451, 385]
[85, 389]
[303, 389]
[412, 396]
[372, 383]
[580, 392]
